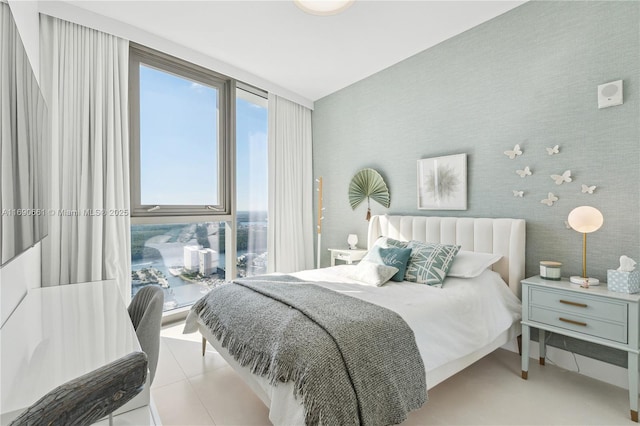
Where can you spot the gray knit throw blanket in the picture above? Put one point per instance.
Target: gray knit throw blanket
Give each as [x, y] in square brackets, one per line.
[352, 362]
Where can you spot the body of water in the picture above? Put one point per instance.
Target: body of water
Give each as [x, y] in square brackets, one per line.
[172, 255]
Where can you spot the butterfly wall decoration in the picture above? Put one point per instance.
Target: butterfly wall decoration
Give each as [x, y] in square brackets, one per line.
[588, 189]
[524, 172]
[560, 179]
[554, 150]
[518, 193]
[550, 199]
[513, 154]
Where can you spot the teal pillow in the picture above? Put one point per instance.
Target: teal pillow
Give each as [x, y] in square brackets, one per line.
[390, 242]
[392, 256]
[429, 263]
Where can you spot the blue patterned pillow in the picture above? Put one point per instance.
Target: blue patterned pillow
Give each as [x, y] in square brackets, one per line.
[429, 263]
[392, 256]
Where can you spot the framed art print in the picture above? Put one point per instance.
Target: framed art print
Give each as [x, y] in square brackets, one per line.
[442, 183]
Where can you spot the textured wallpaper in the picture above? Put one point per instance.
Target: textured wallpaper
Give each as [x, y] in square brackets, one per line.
[527, 77]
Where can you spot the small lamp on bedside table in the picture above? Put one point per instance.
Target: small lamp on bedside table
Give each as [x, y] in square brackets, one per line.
[585, 219]
[352, 240]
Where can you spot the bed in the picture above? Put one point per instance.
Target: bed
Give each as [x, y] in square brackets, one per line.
[454, 326]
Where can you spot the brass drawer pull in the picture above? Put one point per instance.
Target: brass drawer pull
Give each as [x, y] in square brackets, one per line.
[568, 302]
[583, 324]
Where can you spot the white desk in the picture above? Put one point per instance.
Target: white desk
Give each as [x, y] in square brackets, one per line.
[57, 334]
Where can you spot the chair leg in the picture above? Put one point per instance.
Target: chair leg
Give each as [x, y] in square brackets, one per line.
[204, 345]
[110, 419]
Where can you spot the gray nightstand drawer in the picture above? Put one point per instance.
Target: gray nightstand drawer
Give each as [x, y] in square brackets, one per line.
[577, 304]
[587, 325]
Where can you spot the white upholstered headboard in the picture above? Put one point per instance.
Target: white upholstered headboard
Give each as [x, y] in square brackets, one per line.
[486, 235]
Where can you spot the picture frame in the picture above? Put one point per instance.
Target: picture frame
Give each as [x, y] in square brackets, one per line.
[442, 183]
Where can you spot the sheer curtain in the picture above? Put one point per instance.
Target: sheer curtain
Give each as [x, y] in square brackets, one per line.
[85, 81]
[290, 234]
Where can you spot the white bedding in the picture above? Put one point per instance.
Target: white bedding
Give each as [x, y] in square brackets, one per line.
[449, 323]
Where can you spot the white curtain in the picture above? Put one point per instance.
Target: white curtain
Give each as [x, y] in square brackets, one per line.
[85, 79]
[290, 235]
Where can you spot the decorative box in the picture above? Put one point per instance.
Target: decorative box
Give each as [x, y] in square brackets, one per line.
[623, 281]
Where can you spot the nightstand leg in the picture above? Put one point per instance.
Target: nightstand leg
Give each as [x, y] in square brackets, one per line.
[525, 352]
[633, 384]
[543, 346]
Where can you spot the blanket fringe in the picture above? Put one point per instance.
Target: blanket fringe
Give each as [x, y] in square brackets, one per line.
[396, 386]
[262, 364]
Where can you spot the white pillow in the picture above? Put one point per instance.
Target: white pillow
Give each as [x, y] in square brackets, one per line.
[372, 273]
[470, 264]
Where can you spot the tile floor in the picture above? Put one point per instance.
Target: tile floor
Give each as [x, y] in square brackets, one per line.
[193, 390]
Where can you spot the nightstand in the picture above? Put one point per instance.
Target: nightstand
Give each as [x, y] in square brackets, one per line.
[594, 315]
[347, 255]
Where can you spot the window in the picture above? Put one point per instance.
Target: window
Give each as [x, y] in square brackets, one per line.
[251, 182]
[198, 218]
[180, 138]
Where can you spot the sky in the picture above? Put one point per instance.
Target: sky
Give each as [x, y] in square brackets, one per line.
[178, 137]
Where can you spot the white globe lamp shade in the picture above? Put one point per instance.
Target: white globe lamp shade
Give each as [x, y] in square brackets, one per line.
[323, 7]
[585, 219]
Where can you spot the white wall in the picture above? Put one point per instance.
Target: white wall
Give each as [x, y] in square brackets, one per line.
[16, 277]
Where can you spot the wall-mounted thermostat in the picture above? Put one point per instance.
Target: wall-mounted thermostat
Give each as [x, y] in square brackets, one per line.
[610, 94]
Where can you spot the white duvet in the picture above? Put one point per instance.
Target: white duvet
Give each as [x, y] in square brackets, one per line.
[449, 323]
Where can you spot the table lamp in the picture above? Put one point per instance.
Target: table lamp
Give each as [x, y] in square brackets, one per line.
[352, 240]
[585, 219]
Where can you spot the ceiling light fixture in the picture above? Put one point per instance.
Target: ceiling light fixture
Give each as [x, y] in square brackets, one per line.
[323, 7]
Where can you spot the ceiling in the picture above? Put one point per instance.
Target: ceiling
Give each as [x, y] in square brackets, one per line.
[312, 56]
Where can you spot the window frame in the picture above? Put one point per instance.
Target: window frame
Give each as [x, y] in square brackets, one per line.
[226, 87]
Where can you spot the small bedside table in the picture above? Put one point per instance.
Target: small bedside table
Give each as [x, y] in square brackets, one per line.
[347, 255]
[594, 315]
